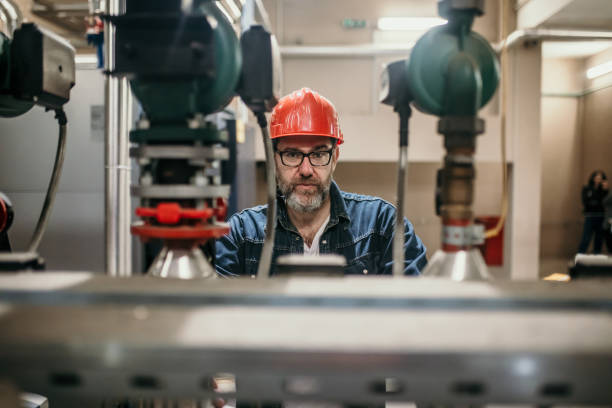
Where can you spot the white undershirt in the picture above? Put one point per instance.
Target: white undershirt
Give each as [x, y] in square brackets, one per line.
[313, 249]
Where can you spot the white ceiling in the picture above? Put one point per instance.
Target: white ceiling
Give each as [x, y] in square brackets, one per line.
[583, 14]
[592, 15]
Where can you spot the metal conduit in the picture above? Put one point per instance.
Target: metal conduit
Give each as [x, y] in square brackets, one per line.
[265, 261]
[544, 34]
[371, 50]
[116, 157]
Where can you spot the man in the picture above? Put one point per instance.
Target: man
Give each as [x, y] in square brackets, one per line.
[314, 216]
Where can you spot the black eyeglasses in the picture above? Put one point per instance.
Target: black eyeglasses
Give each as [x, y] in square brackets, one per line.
[294, 158]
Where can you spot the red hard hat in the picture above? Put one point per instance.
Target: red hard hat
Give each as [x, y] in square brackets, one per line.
[305, 112]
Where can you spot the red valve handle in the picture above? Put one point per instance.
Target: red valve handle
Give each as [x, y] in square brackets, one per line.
[172, 213]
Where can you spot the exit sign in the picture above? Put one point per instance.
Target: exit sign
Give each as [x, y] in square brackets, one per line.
[354, 23]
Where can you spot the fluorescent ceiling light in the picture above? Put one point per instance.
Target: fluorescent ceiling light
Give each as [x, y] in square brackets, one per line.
[409, 23]
[599, 70]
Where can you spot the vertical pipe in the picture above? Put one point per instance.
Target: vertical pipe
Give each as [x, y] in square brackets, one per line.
[398, 237]
[114, 216]
[267, 252]
[124, 241]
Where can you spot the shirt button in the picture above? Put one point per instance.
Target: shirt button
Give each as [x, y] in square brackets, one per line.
[365, 271]
[297, 238]
[324, 241]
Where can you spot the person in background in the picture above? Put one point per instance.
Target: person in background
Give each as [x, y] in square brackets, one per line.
[314, 216]
[607, 225]
[94, 32]
[593, 195]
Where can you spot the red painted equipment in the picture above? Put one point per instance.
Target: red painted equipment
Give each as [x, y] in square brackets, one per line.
[181, 223]
[493, 248]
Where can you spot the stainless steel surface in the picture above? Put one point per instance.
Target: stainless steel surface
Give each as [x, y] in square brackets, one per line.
[600, 260]
[457, 266]
[18, 256]
[441, 342]
[544, 34]
[59, 69]
[111, 174]
[181, 263]
[178, 191]
[41, 225]
[29, 400]
[398, 237]
[180, 152]
[116, 158]
[124, 237]
[265, 260]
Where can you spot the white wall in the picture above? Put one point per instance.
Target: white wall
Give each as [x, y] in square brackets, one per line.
[562, 153]
[576, 128]
[74, 239]
[352, 82]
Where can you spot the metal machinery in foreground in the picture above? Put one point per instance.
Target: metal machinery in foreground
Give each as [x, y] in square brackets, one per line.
[452, 72]
[88, 341]
[184, 62]
[80, 339]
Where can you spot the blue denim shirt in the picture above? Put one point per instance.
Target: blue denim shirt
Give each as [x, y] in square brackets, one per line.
[360, 228]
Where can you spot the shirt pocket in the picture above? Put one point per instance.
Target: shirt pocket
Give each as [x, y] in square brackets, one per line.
[363, 265]
[250, 267]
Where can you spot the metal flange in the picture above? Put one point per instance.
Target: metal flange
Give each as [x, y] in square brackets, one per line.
[180, 152]
[178, 191]
[447, 6]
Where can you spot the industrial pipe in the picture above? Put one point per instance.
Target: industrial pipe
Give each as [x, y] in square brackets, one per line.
[116, 158]
[544, 34]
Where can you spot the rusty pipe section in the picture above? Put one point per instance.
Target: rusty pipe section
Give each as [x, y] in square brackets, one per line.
[456, 187]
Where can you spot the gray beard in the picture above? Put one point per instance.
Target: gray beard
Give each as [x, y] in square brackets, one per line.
[313, 202]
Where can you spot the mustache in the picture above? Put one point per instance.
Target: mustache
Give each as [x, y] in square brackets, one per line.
[306, 180]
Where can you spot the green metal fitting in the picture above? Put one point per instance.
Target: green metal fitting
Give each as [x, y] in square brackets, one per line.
[453, 70]
[178, 134]
[175, 101]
